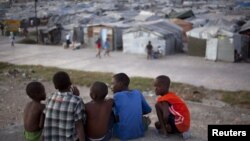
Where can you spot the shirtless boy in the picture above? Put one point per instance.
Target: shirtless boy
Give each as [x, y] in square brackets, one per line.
[99, 114]
[33, 112]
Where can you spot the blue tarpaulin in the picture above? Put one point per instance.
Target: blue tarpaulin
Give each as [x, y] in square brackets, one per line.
[243, 4]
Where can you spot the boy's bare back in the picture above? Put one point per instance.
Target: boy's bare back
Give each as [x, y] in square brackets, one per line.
[33, 113]
[98, 117]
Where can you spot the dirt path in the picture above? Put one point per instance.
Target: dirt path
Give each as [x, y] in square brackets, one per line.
[180, 67]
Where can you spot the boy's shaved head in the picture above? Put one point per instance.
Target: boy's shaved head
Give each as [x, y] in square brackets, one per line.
[36, 91]
[122, 78]
[120, 82]
[98, 91]
[161, 84]
[163, 79]
[61, 80]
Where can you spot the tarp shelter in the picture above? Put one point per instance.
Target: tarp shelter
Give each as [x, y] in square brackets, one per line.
[52, 35]
[243, 4]
[214, 43]
[224, 24]
[113, 33]
[196, 46]
[181, 15]
[198, 22]
[186, 26]
[78, 34]
[143, 15]
[245, 29]
[164, 35]
[11, 25]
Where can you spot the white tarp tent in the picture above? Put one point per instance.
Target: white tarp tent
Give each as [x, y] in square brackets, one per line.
[220, 44]
[163, 35]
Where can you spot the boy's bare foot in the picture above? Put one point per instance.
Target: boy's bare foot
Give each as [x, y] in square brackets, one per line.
[157, 125]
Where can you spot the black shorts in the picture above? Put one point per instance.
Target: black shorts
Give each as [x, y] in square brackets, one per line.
[68, 42]
[171, 122]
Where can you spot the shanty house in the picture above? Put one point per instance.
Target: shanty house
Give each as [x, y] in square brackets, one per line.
[164, 35]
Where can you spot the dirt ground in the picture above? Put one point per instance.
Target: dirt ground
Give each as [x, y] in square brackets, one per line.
[210, 111]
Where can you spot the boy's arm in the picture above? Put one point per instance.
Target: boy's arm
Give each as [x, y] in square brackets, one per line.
[145, 107]
[165, 111]
[115, 108]
[80, 130]
[79, 116]
[41, 122]
[75, 91]
[162, 114]
[42, 117]
[114, 116]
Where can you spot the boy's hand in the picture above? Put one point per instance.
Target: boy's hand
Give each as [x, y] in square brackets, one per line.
[75, 91]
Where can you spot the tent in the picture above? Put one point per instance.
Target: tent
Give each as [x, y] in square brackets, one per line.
[245, 28]
[196, 46]
[114, 33]
[52, 35]
[185, 25]
[181, 15]
[214, 43]
[163, 35]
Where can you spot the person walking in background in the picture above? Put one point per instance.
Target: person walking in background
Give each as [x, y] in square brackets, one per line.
[172, 112]
[20, 31]
[98, 47]
[33, 113]
[12, 39]
[149, 49]
[25, 32]
[107, 47]
[2, 29]
[68, 42]
[64, 112]
[130, 108]
[99, 122]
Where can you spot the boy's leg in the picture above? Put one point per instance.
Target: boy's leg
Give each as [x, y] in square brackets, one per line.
[166, 123]
[171, 124]
[160, 125]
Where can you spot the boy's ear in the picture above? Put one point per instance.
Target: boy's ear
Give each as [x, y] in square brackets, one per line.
[92, 95]
[120, 84]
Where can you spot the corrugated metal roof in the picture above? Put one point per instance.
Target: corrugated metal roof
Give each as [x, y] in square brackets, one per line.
[162, 28]
[245, 27]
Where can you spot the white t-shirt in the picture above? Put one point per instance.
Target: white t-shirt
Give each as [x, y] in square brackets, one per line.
[67, 37]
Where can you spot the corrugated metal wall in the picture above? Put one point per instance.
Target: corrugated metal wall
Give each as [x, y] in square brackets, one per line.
[196, 46]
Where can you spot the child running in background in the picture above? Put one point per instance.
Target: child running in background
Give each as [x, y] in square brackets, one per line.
[64, 112]
[172, 112]
[99, 114]
[107, 47]
[98, 47]
[33, 112]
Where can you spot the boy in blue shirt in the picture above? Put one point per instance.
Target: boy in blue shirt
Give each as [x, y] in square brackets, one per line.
[130, 106]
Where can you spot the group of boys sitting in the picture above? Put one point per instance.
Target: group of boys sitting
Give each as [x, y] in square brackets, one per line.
[65, 117]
